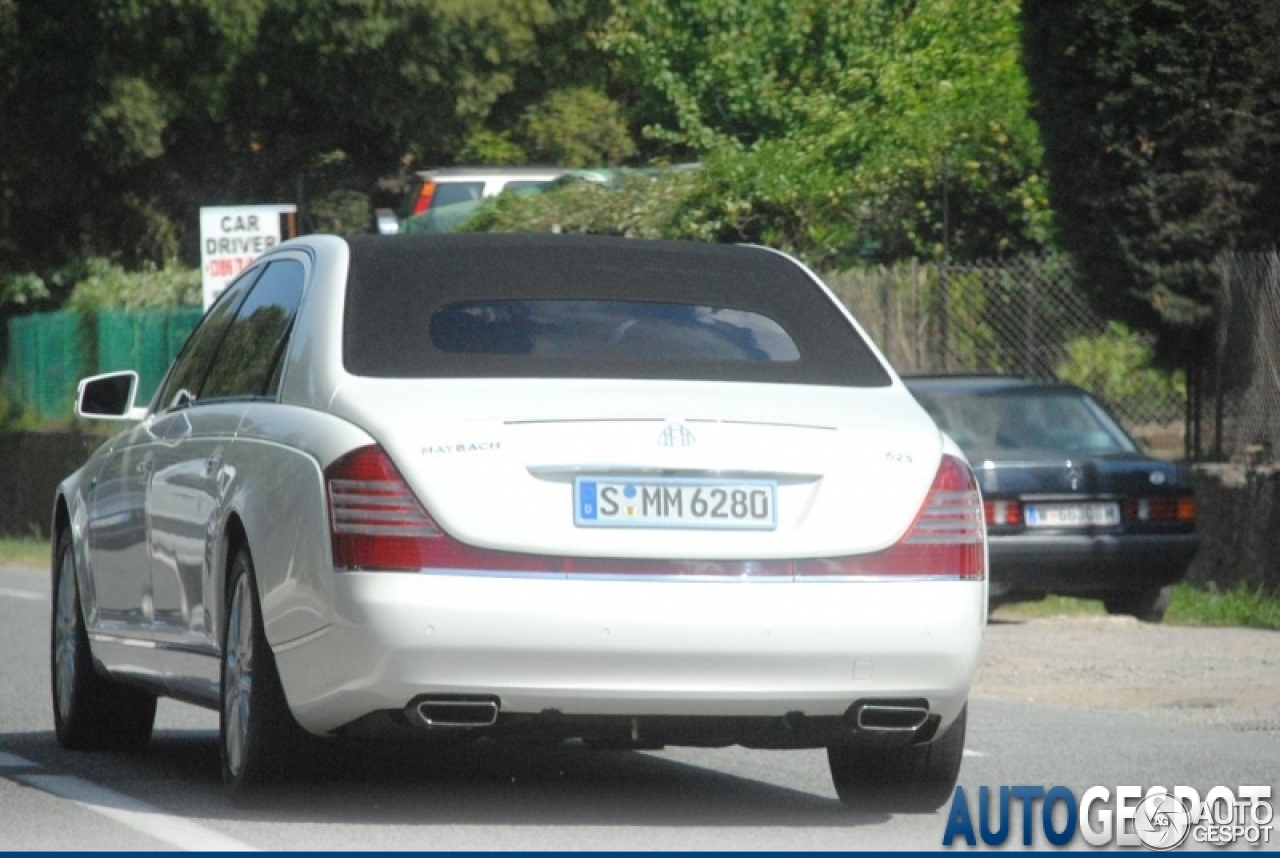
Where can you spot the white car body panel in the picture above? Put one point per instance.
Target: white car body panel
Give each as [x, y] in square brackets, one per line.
[557, 429]
[636, 647]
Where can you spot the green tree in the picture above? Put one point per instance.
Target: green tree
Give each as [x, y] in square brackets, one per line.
[1159, 120]
[577, 127]
[121, 117]
[881, 128]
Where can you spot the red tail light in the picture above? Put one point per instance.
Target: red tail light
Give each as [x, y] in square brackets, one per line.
[423, 201]
[1161, 509]
[946, 538]
[378, 523]
[1002, 512]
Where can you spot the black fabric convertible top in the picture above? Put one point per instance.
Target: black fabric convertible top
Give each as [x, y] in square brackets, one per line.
[398, 284]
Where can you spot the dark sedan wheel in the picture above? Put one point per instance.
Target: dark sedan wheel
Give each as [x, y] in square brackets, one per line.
[914, 779]
[1148, 604]
[258, 735]
[90, 712]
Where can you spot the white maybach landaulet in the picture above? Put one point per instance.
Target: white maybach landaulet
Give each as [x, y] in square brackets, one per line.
[634, 493]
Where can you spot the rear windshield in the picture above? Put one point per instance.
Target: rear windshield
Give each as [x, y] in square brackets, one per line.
[631, 330]
[487, 306]
[451, 193]
[1026, 419]
[526, 186]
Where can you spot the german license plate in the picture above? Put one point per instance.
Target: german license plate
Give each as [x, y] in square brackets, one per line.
[675, 503]
[1071, 514]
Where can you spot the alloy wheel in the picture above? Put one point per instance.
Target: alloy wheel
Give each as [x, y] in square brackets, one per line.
[65, 636]
[238, 676]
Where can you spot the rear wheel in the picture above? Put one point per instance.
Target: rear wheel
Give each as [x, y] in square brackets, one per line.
[911, 779]
[90, 711]
[1148, 604]
[258, 735]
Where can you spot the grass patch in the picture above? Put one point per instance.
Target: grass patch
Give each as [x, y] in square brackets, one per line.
[1189, 606]
[1052, 606]
[1239, 607]
[24, 551]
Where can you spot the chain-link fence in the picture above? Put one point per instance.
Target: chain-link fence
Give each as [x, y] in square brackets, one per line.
[1021, 316]
[50, 352]
[1242, 419]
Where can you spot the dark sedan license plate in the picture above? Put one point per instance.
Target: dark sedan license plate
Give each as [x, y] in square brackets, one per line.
[1072, 514]
[675, 503]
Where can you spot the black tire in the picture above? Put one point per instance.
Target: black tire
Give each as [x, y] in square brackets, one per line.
[90, 711]
[911, 779]
[258, 736]
[1148, 605]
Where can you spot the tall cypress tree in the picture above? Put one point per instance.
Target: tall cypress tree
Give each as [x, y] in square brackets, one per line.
[1160, 123]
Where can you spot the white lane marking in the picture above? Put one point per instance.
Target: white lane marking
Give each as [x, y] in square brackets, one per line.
[12, 761]
[22, 594]
[969, 753]
[175, 831]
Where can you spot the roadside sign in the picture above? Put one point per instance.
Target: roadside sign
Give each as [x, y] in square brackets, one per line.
[231, 237]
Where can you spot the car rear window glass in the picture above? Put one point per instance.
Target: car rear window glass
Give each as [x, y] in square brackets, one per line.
[449, 193]
[526, 186]
[538, 306]
[1026, 419]
[575, 330]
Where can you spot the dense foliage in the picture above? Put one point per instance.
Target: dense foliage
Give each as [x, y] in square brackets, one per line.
[122, 117]
[868, 131]
[875, 129]
[1160, 127]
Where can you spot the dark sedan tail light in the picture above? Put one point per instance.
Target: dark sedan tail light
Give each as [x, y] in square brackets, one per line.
[998, 513]
[1162, 509]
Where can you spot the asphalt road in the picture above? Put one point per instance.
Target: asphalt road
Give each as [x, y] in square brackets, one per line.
[566, 797]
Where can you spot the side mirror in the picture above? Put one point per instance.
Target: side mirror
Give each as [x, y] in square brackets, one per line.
[109, 397]
[387, 222]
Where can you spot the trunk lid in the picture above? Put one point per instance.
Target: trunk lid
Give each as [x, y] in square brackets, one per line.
[495, 461]
[1049, 474]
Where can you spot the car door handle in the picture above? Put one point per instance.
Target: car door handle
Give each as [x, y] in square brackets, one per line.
[145, 466]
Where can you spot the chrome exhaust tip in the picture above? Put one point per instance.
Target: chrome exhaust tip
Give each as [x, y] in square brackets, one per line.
[455, 712]
[890, 718]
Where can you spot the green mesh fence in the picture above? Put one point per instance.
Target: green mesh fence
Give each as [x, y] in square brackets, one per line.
[48, 355]
[50, 352]
[143, 340]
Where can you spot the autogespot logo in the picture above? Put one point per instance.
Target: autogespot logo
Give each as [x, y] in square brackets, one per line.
[1162, 821]
[1157, 818]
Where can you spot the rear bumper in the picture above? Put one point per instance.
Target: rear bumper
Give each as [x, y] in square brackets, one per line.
[635, 648]
[1087, 564]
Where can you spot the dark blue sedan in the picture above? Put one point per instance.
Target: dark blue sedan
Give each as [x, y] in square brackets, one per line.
[1073, 506]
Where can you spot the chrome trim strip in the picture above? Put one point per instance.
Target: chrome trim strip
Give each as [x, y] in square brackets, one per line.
[159, 645]
[693, 579]
[120, 640]
[567, 470]
[604, 576]
[761, 423]
[877, 579]
[584, 420]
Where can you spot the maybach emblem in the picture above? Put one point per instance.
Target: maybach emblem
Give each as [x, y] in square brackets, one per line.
[676, 435]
